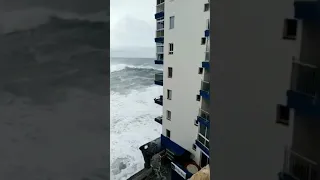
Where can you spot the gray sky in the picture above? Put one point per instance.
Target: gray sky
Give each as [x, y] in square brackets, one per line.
[132, 23]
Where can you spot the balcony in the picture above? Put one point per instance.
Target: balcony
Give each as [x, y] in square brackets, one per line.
[181, 172]
[159, 100]
[307, 10]
[305, 87]
[205, 90]
[159, 53]
[204, 118]
[176, 149]
[158, 119]
[159, 39]
[298, 167]
[206, 33]
[158, 79]
[205, 63]
[160, 11]
[202, 147]
[159, 36]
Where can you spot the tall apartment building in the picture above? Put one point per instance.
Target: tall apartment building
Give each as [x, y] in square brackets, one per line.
[265, 79]
[182, 40]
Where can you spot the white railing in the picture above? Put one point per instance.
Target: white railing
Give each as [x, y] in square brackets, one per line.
[304, 78]
[299, 167]
[204, 114]
[160, 7]
[205, 86]
[158, 77]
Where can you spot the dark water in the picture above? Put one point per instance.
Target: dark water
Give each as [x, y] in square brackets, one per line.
[129, 74]
[54, 94]
[57, 55]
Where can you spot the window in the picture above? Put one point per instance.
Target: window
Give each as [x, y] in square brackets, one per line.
[168, 115]
[283, 115]
[200, 70]
[171, 25]
[290, 29]
[196, 123]
[170, 48]
[169, 94]
[203, 41]
[169, 72]
[168, 133]
[206, 7]
[198, 97]
[194, 147]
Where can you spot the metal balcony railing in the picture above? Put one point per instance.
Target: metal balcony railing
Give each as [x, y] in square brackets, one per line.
[160, 2]
[207, 56]
[305, 79]
[204, 114]
[299, 167]
[160, 25]
[159, 50]
[160, 8]
[205, 86]
[158, 77]
[159, 33]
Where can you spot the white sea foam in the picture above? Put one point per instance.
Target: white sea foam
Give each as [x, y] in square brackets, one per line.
[132, 124]
[119, 67]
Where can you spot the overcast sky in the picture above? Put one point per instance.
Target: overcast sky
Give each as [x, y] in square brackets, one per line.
[132, 23]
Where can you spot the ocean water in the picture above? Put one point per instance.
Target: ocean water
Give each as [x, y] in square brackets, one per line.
[53, 99]
[133, 110]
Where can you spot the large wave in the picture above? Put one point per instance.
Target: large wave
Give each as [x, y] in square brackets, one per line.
[33, 17]
[119, 67]
[60, 53]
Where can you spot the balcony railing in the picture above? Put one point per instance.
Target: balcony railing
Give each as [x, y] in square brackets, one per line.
[159, 49]
[204, 114]
[160, 2]
[299, 167]
[160, 25]
[305, 79]
[159, 100]
[160, 8]
[159, 33]
[158, 119]
[207, 56]
[205, 86]
[158, 77]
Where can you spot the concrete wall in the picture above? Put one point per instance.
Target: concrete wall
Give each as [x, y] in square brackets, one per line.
[189, 27]
[250, 71]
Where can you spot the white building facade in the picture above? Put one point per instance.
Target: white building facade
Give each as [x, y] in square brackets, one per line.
[182, 40]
